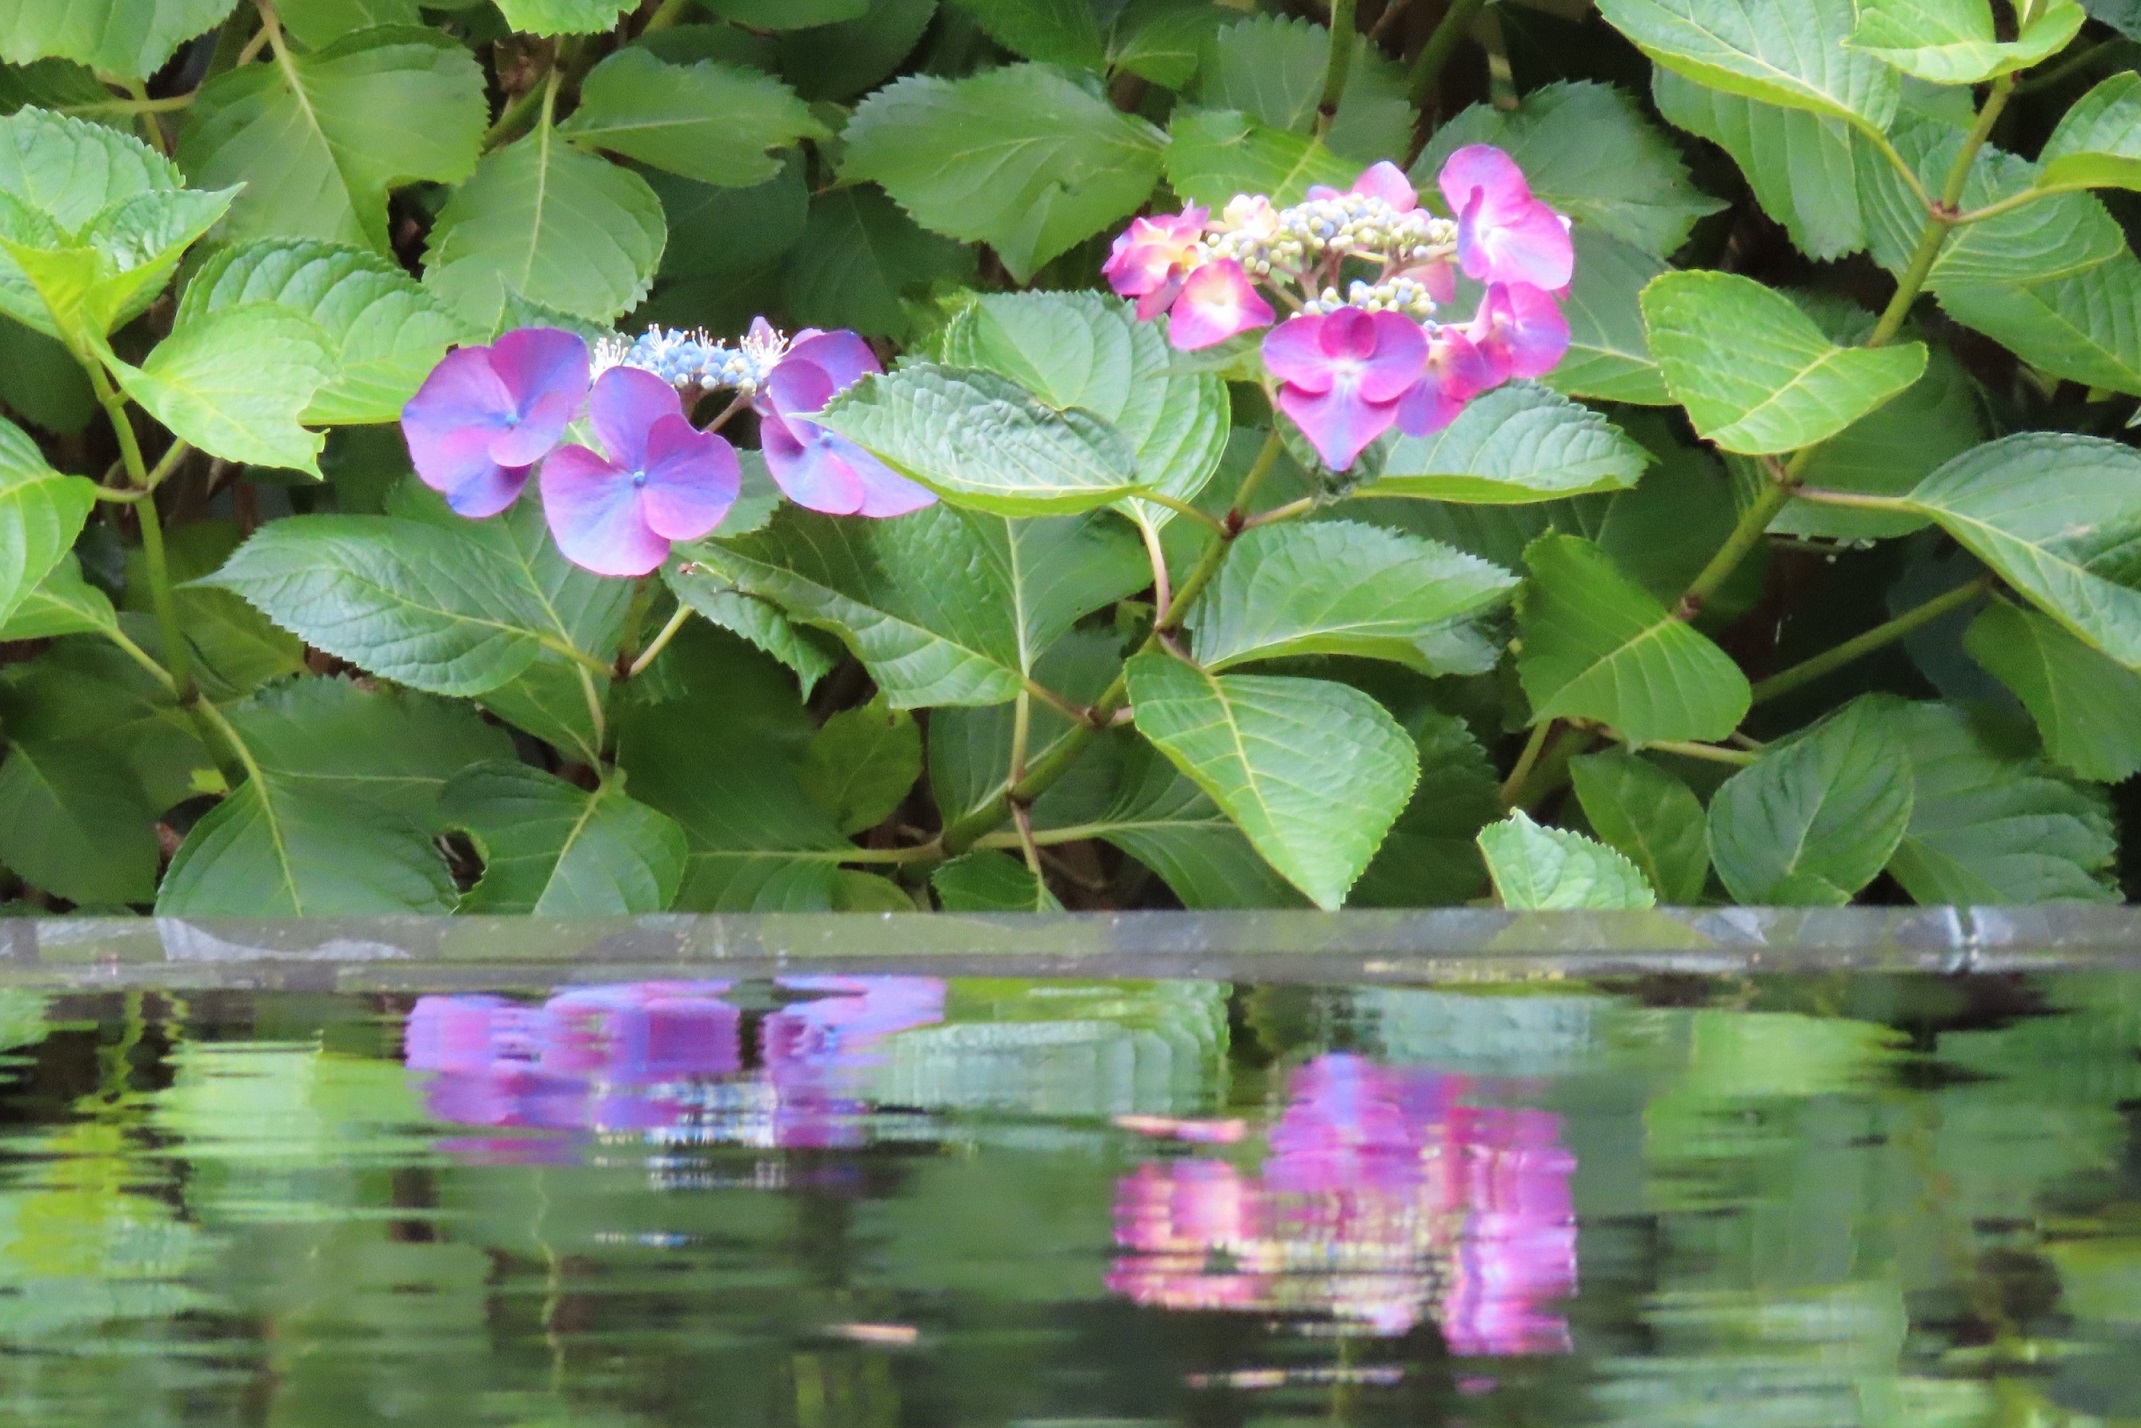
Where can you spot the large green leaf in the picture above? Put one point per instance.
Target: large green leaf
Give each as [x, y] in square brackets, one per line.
[1313, 772]
[1953, 41]
[757, 620]
[553, 225]
[1163, 40]
[80, 282]
[41, 512]
[1588, 150]
[1990, 824]
[1339, 588]
[2059, 517]
[1272, 68]
[2085, 326]
[1789, 55]
[1535, 867]
[562, 17]
[73, 822]
[859, 257]
[235, 381]
[318, 139]
[71, 170]
[1059, 31]
[1088, 351]
[1609, 352]
[319, 23]
[1214, 154]
[88, 693]
[1518, 443]
[1803, 167]
[1815, 820]
[1023, 158]
[131, 38]
[2087, 708]
[861, 764]
[2098, 141]
[989, 880]
[1596, 645]
[716, 123]
[1431, 857]
[1754, 372]
[555, 850]
[943, 606]
[385, 333]
[1650, 817]
[970, 746]
[983, 441]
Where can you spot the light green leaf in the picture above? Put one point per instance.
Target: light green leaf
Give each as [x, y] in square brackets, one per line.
[235, 382]
[70, 170]
[2098, 141]
[1754, 372]
[109, 273]
[2087, 708]
[859, 256]
[318, 141]
[1803, 167]
[62, 604]
[384, 332]
[408, 601]
[1518, 443]
[1535, 867]
[990, 880]
[319, 23]
[75, 824]
[1432, 858]
[1650, 817]
[1022, 158]
[41, 512]
[1609, 352]
[1062, 32]
[1596, 645]
[2059, 517]
[562, 17]
[1953, 42]
[1815, 820]
[1793, 56]
[130, 38]
[982, 441]
[1990, 823]
[544, 221]
[861, 764]
[1214, 154]
[716, 123]
[1339, 588]
[2085, 326]
[1313, 772]
[1587, 150]
[553, 850]
[1272, 67]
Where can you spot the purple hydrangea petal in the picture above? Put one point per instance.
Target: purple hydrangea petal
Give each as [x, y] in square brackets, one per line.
[1293, 351]
[807, 468]
[842, 356]
[625, 407]
[450, 421]
[797, 389]
[488, 494]
[692, 480]
[1339, 423]
[594, 512]
[545, 370]
[1394, 363]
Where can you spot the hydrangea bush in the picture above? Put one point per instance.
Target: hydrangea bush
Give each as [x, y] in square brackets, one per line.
[577, 457]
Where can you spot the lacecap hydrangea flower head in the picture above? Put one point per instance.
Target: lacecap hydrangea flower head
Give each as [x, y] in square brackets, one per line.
[1366, 277]
[489, 418]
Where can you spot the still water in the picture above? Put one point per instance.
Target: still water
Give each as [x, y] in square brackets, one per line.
[874, 1201]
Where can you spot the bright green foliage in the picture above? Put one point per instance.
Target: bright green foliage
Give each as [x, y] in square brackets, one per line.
[1650, 817]
[2087, 707]
[63, 603]
[41, 512]
[787, 14]
[1793, 57]
[861, 763]
[2082, 326]
[711, 122]
[1609, 351]
[1596, 645]
[2098, 141]
[554, 850]
[1535, 867]
[1057, 31]
[235, 381]
[1516, 444]
[1814, 821]
[562, 17]
[1272, 68]
[1213, 154]
[319, 23]
[131, 38]
[1953, 42]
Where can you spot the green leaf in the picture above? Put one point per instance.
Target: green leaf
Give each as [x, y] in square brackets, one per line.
[319, 23]
[1815, 820]
[1272, 68]
[562, 17]
[89, 693]
[41, 512]
[1518, 443]
[1587, 150]
[554, 850]
[1535, 867]
[544, 221]
[1022, 158]
[942, 606]
[1164, 40]
[1596, 645]
[75, 824]
[1648, 816]
[1609, 352]
[407, 601]
[859, 256]
[969, 755]
[842, 60]
[1431, 858]
[990, 880]
[2082, 326]
[1790, 56]
[1214, 154]
[1952, 41]
[759, 621]
[318, 140]
[1088, 351]
[235, 381]
[862, 763]
[2059, 517]
[1339, 588]
[384, 332]
[1062, 32]
[716, 123]
[39, 378]
[2098, 141]
[2087, 708]
[62, 604]
[130, 38]
[787, 14]
[114, 269]
[1755, 373]
[71, 170]
[1313, 772]
[984, 442]
[1990, 824]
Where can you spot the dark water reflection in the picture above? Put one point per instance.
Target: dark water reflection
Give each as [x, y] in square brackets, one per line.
[828, 1200]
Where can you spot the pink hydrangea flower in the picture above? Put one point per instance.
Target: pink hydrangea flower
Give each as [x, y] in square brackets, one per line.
[486, 415]
[1152, 258]
[1216, 302]
[1520, 331]
[1343, 375]
[1386, 181]
[1504, 235]
[818, 468]
[662, 479]
[1457, 371]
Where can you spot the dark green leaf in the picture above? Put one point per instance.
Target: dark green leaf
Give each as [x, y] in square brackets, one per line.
[715, 123]
[1271, 68]
[554, 850]
[1059, 31]
[859, 257]
[2081, 326]
[1803, 167]
[991, 881]
[1650, 817]
[1431, 858]
[75, 824]
[861, 764]
[1609, 352]
[2087, 707]
[1214, 154]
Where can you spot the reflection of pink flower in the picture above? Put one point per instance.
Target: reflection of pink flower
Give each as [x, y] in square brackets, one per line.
[1152, 257]
[817, 1051]
[1504, 235]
